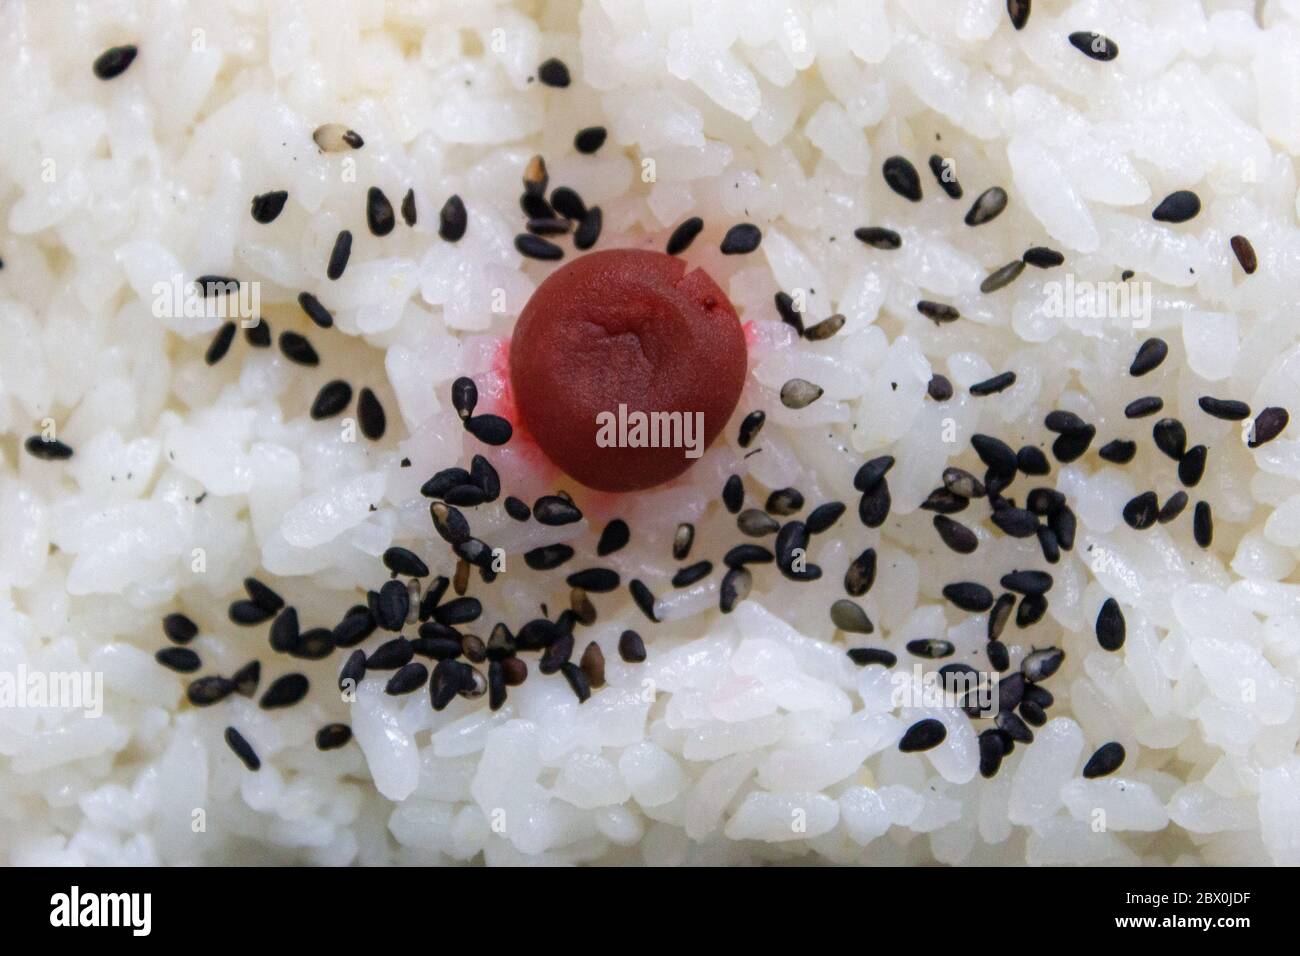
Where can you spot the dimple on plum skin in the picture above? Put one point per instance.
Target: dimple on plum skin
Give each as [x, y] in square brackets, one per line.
[627, 327]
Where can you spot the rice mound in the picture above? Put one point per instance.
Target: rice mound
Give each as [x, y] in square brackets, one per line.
[749, 737]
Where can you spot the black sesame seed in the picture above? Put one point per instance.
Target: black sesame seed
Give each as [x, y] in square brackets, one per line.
[588, 230]
[1018, 11]
[864, 656]
[1177, 207]
[939, 388]
[861, 574]
[1051, 548]
[1142, 407]
[590, 139]
[999, 614]
[614, 538]
[1228, 409]
[1093, 45]
[993, 385]
[901, 176]
[1027, 582]
[114, 61]
[849, 616]
[220, 344]
[595, 580]
[370, 414]
[1041, 257]
[489, 429]
[1170, 437]
[945, 176]
[987, 207]
[871, 472]
[246, 678]
[1062, 422]
[1031, 461]
[535, 207]
[930, 648]
[180, 659]
[789, 314]
[393, 605]
[285, 691]
[969, 596]
[1017, 522]
[643, 597]
[242, 749]
[1119, 451]
[784, 502]
[1202, 524]
[990, 742]
[568, 203]
[995, 453]
[874, 505]
[1063, 524]
[409, 677]
[405, 562]
[453, 220]
[577, 681]
[791, 546]
[1106, 760]
[1032, 714]
[552, 510]
[1014, 728]
[340, 254]
[356, 626]
[741, 239]
[1000, 278]
[284, 634]
[205, 691]
[298, 350]
[1268, 425]
[461, 610]
[248, 613]
[750, 427]
[1245, 254]
[923, 735]
[1070, 446]
[684, 235]
[1173, 507]
[535, 247]
[379, 212]
[631, 647]
[683, 538]
[390, 655]
[443, 481]
[1191, 466]
[878, 237]
[962, 483]
[263, 596]
[956, 536]
[179, 628]
[333, 736]
[1149, 356]
[1041, 664]
[1126, 274]
[517, 509]
[408, 207]
[736, 584]
[937, 312]
[824, 516]
[259, 335]
[331, 399]
[733, 494]
[553, 72]
[217, 285]
[824, 329]
[692, 573]
[449, 679]
[1140, 512]
[482, 474]
[743, 554]
[314, 644]
[268, 206]
[548, 227]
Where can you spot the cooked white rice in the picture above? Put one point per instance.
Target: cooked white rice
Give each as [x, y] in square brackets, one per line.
[748, 737]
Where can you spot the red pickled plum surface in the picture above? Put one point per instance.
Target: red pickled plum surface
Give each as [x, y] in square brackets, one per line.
[631, 327]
